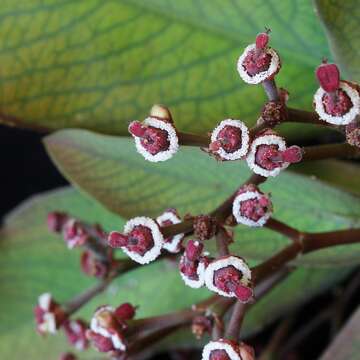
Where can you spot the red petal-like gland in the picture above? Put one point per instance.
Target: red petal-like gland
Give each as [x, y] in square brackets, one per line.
[125, 312]
[193, 250]
[117, 240]
[293, 154]
[137, 129]
[328, 76]
[262, 40]
[243, 293]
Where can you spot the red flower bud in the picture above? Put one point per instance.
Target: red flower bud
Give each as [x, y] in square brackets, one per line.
[49, 315]
[75, 331]
[262, 40]
[193, 250]
[293, 154]
[56, 221]
[117, 240]
[125, 312]
[205, 227]
[67, 356]
[93, 266]
[244, 293]
[137, 129]
[74, 233]
[106, 331]
[328, 76]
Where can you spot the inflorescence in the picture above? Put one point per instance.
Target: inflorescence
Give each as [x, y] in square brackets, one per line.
[144, 239]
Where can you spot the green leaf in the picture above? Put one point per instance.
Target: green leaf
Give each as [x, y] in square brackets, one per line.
[34, 261]
[329, 170]
[110, 170]
[346, 345]
[100, 64]
[341, 21]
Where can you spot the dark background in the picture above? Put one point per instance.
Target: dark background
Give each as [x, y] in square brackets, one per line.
[26, 168]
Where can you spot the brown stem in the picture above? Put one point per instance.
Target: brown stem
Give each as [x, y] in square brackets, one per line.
[308, 243]
[329, 151]
[72, 306]
[179, 318]
[317, 241]
[185, 226]
[193, 139]
[222, 242]
[284, 229]
[281, 333]
[236, 320]
[141, 343]
[262, 271]
[307, 117]
[271, 90]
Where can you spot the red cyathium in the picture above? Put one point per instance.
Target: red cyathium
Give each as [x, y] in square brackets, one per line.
[93, 266]
[107, 332]
[336, 102]
[56, 221]
[49, 315]
[75, 233]
[251, 207]
[142, 239]
[125, 312]
[153, 140]
[230, 276]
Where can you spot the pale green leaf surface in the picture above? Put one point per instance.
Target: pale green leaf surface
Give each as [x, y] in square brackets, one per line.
[110, 170]
[99, 64]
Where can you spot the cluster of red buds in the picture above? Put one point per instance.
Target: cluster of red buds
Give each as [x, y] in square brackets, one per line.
[193, 264]
[97, 259]
[107, 328]
[49, 315]
[75, 331]
[223, 349]
[105, 332]
[266, 153]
